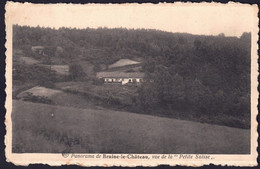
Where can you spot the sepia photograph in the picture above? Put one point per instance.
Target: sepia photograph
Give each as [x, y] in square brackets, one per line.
[141, 80]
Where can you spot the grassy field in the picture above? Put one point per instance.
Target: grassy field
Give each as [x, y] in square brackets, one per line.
[52, 129]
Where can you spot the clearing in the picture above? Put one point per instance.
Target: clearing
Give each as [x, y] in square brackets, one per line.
[39, 91]
[59, 129]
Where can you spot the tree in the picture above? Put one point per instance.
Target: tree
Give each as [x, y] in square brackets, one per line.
[147, 98]
[76, 72]
[97, 68]
[221, 35]
[199, 96]
[197, 43]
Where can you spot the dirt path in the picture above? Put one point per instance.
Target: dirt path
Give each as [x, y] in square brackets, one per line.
[116, 132]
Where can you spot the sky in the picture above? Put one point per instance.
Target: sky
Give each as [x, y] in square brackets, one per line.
[202, 19]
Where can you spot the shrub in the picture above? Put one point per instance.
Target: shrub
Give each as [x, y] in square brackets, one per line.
[98, 82]
[76, 72]
[37, 99]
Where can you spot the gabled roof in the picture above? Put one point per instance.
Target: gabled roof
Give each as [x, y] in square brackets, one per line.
[120, 75]
[123, 62]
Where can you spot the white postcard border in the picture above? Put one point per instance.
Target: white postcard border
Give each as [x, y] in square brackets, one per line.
[12, 13]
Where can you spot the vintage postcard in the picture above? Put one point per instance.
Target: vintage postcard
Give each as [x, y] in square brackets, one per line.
[131, 84]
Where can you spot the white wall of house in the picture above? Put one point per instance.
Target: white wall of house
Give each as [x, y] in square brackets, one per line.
[123, 81]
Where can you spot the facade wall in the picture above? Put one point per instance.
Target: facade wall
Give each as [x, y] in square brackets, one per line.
[122, 80]
[125, 81]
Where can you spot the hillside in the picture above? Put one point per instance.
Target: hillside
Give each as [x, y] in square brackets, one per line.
[203, 77]
[59, 129]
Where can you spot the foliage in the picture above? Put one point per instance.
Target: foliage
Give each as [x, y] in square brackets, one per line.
[76, 72]
[37, 99]
[98, 82]
[25, 73]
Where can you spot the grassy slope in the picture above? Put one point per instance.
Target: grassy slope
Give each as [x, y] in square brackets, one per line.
[89, 130]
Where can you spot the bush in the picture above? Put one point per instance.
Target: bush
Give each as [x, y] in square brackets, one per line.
[46, 83]
[97, 82]
[37, 99]
[76, 72]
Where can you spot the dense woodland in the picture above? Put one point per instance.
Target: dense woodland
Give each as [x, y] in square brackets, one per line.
[191, 74]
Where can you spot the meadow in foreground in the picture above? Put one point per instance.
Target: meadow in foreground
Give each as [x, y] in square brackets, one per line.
[41, 128]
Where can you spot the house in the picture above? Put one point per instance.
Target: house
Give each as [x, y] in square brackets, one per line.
[58, 69]
[121, 77]
[38, 49]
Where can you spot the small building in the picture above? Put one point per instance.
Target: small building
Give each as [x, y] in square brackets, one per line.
[121, 77]
[58, 69]
[38, 49]
[61, 69]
